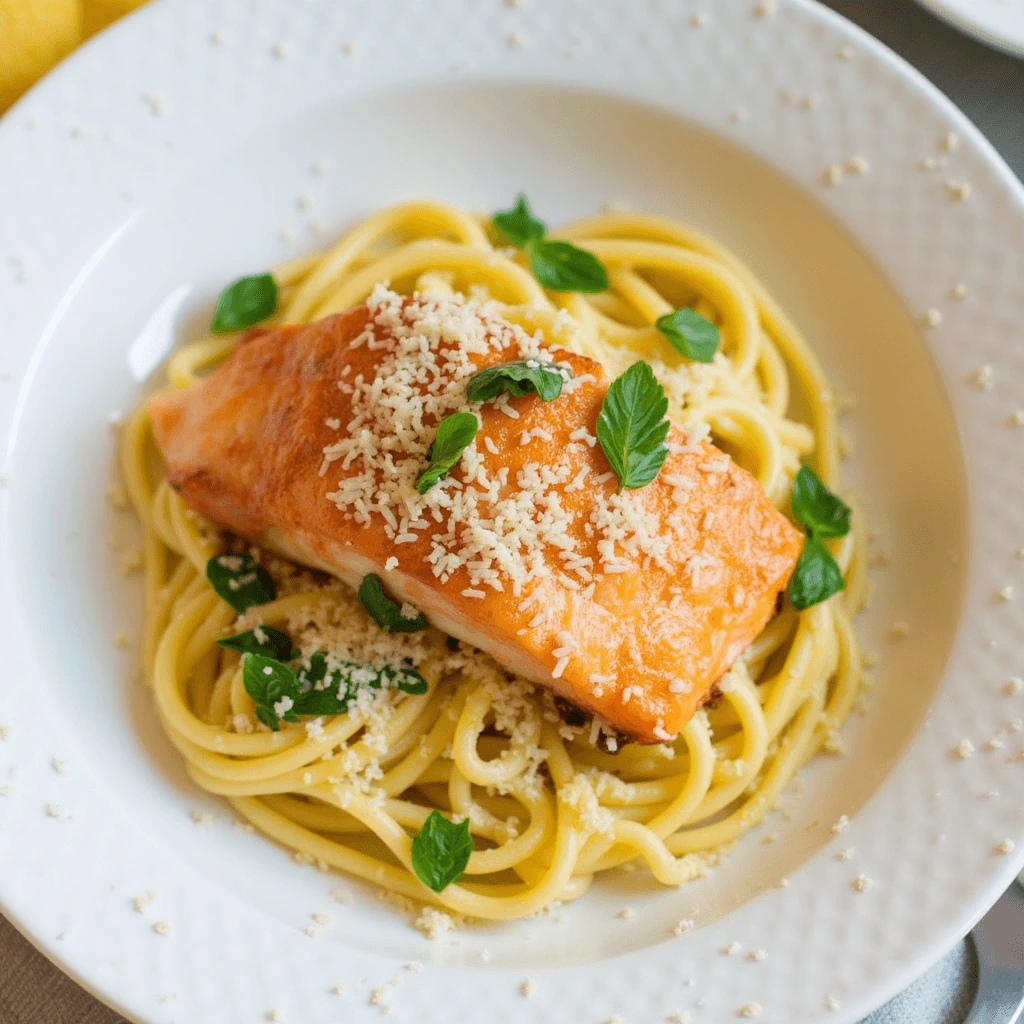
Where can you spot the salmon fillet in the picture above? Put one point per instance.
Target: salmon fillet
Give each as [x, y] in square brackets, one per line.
[631, 605]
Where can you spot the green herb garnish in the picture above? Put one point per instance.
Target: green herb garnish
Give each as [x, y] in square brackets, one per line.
[245, 302]
[519, 225]
[441, 851]
[318, 687]
[405, 679]
[564, 267]
[240, 581]
[817, 575]
[632, 426]
[385, 612]
[331, 691]
[520, 378]
[454, 435]
[690, 334]
[822, 512]
[274, 689]
[557, 264]
[265, 640]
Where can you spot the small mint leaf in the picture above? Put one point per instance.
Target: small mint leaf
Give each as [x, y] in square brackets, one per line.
[564, 267]
[244, 303]
[519, 225]
[690, 334]
[825, 514]
[817, 576]
[632, 426]
[262, 640]
[441, 851]
[385, 612]
[454, 435]
[274, 689]
[520, 378]
[240, 581]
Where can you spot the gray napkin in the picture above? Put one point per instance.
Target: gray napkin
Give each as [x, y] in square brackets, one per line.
[942, 995]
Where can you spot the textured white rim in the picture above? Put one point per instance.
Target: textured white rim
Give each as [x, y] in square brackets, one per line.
[64, 231]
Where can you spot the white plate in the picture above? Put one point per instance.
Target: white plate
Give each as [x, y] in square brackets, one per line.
[1000, 23]
[168, 156]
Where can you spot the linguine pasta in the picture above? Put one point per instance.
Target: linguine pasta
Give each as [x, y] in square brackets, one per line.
[549, 806]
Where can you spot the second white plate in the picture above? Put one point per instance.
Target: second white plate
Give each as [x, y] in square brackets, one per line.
[999, 23]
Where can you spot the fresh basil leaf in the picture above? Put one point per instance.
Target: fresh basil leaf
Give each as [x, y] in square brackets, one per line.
[817, 576]
[385, 612]
[405, 679]
[454, 434]
[520, 378]
[240, 581]
[274, 688]
[332, 700]
[519, 225]
[822, 512]
[261, 640]
[690, 334]
[267, 717]
[331, 692]
[557, 264]
[632, 426]
[564, 267]
[322, 694]
[317, 669]
[441, 851]
[245, 302]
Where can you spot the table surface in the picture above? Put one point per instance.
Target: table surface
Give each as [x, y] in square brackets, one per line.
[988, 86]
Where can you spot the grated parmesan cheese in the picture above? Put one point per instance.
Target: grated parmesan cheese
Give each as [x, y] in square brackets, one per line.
[495, 528]
[959, 191]
[142, 903]
[964, 749]
[982, 377]
[434, 923]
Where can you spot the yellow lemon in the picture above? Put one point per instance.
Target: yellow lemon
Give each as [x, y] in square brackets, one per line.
[34, 35]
